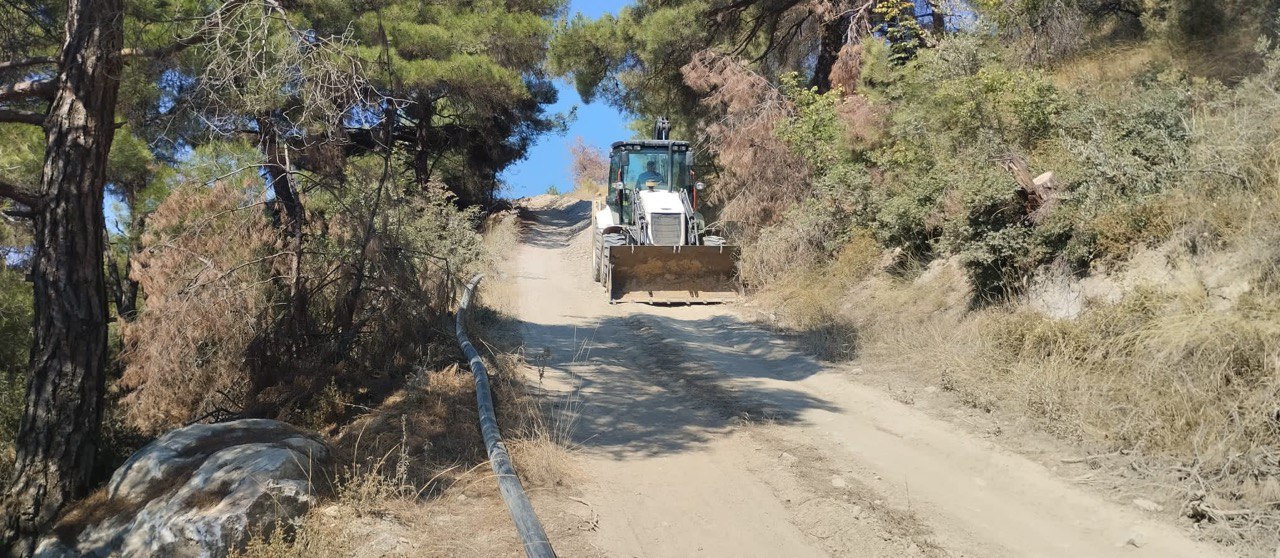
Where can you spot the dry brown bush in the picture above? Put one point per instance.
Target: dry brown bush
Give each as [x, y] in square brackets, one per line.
[185, 353]
[761, 176]
[796, 244]
[864, 122]
[414, 470]
[231, 327]
[590, 165]
[847, 71]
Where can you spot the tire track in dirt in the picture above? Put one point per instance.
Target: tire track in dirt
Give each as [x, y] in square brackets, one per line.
[837, 512]
[669, 366]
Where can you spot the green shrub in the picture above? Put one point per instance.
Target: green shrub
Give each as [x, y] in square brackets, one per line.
[15, 344]
[958, 111]
[1136, 158]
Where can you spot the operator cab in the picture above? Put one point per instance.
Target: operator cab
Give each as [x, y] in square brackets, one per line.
[659, 165]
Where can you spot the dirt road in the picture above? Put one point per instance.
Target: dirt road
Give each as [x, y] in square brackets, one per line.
[698, 433]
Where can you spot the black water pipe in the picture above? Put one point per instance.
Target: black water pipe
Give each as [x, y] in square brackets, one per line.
[534, 538]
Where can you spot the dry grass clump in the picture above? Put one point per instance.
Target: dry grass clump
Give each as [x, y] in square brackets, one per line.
[418, 461]
[1160, 373]
[807, 303]
[303, 542]
[427, 427]
[541, 446]
[391, 462]
[376, 495]
[1166, 376]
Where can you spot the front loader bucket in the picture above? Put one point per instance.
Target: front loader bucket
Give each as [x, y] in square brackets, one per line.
[673, 274]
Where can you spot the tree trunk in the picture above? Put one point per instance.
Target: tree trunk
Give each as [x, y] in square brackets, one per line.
[124, 290]
[344, 313]
[834, 34]
[58, 435]
[277, 169]
[424, 113]
[938, 19]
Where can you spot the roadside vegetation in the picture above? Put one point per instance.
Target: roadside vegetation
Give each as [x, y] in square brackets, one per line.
[1164, 181]
[15, 341]
[1064, 210]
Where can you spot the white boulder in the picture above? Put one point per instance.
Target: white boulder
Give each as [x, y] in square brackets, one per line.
[197, 491]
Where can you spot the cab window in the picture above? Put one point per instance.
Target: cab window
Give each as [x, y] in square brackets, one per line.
[649, 169]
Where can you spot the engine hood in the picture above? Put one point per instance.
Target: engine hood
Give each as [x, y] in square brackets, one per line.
[658, 201]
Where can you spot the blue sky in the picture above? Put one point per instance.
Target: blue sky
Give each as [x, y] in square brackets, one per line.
[598, 124]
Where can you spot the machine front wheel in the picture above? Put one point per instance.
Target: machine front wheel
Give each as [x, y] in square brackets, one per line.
[595, 258]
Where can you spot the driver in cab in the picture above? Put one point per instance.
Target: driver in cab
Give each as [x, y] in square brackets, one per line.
[650, 177]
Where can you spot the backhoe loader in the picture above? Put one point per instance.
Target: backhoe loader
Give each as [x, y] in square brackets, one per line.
[650, 243]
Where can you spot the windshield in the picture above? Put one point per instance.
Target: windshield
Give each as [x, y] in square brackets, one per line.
[645, 170]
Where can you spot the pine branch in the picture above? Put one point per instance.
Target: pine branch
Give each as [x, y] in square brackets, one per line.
[43, 88]
[24, 62]
[212, 24]
[19, 194]
[21, 117]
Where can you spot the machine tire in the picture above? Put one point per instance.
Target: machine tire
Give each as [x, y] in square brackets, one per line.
[603, 267]
[595, 258]
[607, 241]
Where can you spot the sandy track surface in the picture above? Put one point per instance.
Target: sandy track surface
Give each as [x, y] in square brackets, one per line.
[698, 433]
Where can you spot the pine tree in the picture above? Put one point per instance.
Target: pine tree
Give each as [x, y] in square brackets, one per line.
[464, 80]
[58, 434]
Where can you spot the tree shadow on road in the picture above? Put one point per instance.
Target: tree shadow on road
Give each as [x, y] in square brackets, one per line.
[646, 385]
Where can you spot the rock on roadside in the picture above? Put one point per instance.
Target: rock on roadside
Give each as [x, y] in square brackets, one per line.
[197, 491]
